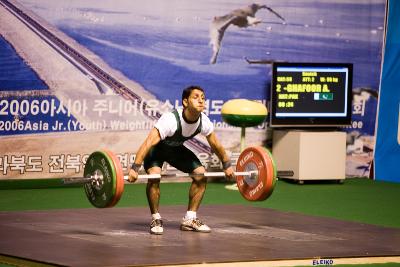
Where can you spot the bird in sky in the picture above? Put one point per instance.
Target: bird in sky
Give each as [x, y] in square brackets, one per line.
[242, 17]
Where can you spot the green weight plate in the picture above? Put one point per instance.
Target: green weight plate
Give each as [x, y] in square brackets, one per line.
[101, 193]
[271, 158]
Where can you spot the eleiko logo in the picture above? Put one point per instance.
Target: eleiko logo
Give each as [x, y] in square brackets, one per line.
[322, 262]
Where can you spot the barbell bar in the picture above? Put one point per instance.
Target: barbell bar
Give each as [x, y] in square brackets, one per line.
[94, 178]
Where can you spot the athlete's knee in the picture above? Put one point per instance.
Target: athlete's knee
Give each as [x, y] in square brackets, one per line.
[198, 174]
[153, 182]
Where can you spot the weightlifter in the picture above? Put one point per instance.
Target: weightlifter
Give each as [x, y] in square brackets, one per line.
[165, 144]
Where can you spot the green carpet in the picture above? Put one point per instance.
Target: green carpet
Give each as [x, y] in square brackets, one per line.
[359, 200]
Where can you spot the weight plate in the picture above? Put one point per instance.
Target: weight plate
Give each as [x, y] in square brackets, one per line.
[102, 192]
[119, 177]
[261, 186]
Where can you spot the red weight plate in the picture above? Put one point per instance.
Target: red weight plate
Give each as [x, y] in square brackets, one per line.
[119, 178]
[260, 160]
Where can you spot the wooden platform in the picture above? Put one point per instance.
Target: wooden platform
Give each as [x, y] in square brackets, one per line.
[119, 236]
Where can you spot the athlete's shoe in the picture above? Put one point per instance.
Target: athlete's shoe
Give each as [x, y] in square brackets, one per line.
[156, 227]
[194, 225]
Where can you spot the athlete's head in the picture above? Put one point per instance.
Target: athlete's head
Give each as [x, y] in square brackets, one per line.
[193, 97]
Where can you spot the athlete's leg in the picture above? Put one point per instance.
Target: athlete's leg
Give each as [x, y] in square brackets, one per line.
[186, 161]
[190, 222]
[153, 198]
[197, 189]
[153, 190]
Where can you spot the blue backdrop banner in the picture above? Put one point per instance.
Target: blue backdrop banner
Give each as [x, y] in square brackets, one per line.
[80, 75]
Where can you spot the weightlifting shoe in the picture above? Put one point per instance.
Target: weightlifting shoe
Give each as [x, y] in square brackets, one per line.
[194, 225]
[156, 227]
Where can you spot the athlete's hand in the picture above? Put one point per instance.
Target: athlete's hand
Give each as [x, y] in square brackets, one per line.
[230, 174]
[133, 176]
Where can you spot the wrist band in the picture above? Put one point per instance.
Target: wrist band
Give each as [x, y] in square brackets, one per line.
[226, 164]
[136, 167]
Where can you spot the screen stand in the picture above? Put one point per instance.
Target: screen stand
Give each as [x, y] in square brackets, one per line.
[310, 154]
[242, 139]
[242, 147]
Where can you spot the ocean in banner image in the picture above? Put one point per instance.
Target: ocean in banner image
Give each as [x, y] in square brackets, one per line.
[15, 74]
[165, 47]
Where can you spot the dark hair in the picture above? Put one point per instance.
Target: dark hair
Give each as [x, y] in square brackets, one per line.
[188, 90]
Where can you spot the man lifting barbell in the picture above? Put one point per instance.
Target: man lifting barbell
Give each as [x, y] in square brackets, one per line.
[165, 144]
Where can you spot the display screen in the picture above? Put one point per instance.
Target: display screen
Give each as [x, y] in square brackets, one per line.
[311, 94]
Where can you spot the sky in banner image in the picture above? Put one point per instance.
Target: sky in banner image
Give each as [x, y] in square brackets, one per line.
[165, 46]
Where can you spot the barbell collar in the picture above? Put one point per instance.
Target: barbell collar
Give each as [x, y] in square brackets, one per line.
[285, 173]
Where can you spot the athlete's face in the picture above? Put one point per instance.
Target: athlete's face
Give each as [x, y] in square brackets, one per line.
[196, 101]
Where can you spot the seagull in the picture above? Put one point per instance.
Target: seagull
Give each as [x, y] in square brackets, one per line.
[243, 17]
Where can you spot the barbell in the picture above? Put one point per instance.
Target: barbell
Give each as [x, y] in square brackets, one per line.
[103, 179]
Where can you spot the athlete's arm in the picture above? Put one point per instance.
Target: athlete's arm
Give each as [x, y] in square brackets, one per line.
[221, 153]
[152, 139]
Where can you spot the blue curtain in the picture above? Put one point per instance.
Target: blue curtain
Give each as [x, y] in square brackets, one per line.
[387, 150]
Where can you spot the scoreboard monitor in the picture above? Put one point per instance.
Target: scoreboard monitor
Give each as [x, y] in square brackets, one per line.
[311, 94]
